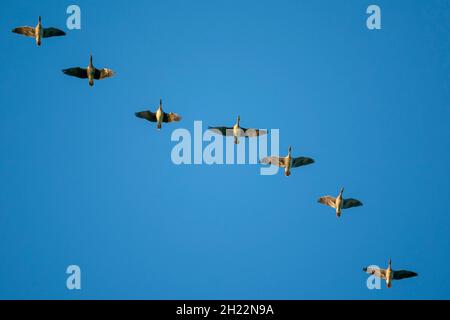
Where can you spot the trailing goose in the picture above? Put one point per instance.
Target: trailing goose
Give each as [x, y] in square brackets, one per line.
[389, 274]
[339, 202]
[90, 72]
[159, 116]
[237, 131]
[287, 162]
[39, 32]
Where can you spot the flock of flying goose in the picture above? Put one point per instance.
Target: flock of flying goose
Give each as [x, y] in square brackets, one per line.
[91, 73]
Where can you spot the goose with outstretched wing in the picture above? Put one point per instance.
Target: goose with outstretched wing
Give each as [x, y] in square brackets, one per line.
[339, 202]
[39, 32]
[237, 131]
[287, 162]
[159, 116]
[389, 274]
[90, 72]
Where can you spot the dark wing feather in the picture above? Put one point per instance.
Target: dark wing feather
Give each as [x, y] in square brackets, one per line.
[402, 274]
[103, 73]
[53, 32]
[301, 161]
[147, 115]
[76, 72]
[222, 130]
[26, 31]
[350, 203]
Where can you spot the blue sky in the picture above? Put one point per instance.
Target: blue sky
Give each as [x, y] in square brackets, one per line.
[85, 182]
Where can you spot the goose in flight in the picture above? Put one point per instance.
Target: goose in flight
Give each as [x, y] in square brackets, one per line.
[237, 131]
[90, 72]
[287, 162]
[389, 274]
[339, 202]
[159, 116]
[39, 32]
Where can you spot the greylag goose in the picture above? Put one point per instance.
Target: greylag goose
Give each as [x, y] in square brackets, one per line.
[237, 131]
[389, 274]
[339, 202]
[90, 72]
[287, 162]
[38, 32]
[159, 116]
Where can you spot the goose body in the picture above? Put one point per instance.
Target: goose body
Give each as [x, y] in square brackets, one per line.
[91, 73]
[39, 32]
[389, 274]
[159, 116]
[339, 202]
[237, 131]
[287, 170]
[287, 162]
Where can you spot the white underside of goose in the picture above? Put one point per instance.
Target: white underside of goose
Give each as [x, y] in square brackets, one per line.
[159, 117]
[237, 132]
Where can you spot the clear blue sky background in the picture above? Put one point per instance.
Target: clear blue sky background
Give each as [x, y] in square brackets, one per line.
[82, 181]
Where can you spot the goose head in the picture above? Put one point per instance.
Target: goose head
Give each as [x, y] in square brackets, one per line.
[342, 191]
[390, 263]
[238, 120]
[90, 60]
[160, 104]
[289, 150]
[39, 20]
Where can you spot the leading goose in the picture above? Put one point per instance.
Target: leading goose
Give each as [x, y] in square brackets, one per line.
[339, 202]
[38, 32]
[159, 116]
[389, 274]
[90, 72]
[237, 131]
[287, 162]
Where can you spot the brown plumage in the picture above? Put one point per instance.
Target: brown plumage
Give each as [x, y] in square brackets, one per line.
[38, 32]
[287, 162]
[159, 116]
[90, 72]
[339, 202]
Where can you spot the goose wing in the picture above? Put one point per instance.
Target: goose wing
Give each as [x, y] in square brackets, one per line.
[350, 203]
[301, 161]
[402, 274]
[76, 72]
[147, 115]
[222, 130]
[273, 160]
[26, 31]
[103, 73]
[53, 32]
[253, 132]
[171, 117]
[377, 272]
[328, 201]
